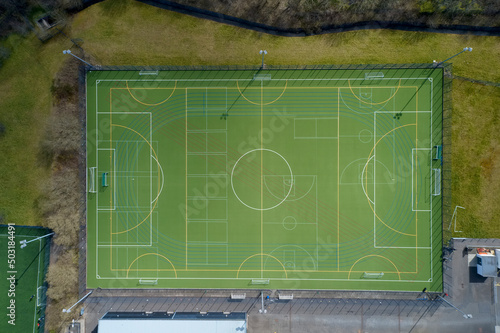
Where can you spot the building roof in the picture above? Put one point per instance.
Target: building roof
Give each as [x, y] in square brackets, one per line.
[211, 322]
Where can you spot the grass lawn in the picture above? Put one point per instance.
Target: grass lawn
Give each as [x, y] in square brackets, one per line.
[131, 33]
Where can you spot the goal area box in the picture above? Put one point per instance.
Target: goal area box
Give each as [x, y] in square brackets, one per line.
[299, 177]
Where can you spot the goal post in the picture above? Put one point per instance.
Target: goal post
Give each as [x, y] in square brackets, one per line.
[437, 182]
[374, 75]
[148, 282]
[259, 281]
[40, 296]
[262, 77]
[367, 275]
[91, 180]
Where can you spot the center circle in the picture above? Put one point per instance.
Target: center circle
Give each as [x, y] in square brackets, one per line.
[261, 179]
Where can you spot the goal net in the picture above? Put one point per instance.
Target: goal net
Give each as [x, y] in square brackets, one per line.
[91, 180]
[260, 281]
[437, 182]
[40, 296]
[148, 282]
[373, 275]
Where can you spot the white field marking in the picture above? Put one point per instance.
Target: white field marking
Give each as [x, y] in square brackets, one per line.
[97, 193]
[114, 181]
[280, 223]
[403, 112]
[206, 176]
[234, 80]
[271, 192]
[297, 246]
[104, 245]
[221, 176]
[365, 105]
[404, 247]
[374, 178]
[86, 166]
[412, 186]
[37, 281]
[294, 223]
[162, 179]
[362, 177]
[364, 135]
[232, 173]
[430, 167]
[208, 80]
[294, 188]
[207, 244]
[315, 128]
[150, 167]
[310, 188]
[276, 279]
[358, 112]
[430, 222]
[364, 164]
[126, 112]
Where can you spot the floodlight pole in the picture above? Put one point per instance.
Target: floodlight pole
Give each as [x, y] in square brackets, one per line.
[262, 310]
[453, 56]
[263, 52]
[466, 316]
[69, 52]
[81, 299]
[24, 242]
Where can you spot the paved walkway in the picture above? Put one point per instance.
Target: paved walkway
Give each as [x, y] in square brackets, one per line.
[332, 311]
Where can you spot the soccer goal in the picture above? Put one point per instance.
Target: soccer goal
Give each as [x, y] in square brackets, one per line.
[259, 281]
[91, 180]
[437, 182]
[374, 75]
[148, 73]
[148, 282]
[262, 77]
[40, 296]
[367, 275]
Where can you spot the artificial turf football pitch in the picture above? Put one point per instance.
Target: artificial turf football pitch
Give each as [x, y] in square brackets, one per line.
[265, 178]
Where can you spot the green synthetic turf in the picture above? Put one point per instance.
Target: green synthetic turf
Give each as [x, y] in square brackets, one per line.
[306, 178]
[28, 270]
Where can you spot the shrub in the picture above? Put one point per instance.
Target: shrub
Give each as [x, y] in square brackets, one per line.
[62, 277]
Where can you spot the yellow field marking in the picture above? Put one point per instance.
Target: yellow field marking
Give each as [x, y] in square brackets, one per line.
[252, 270]
[261, 254]
[149, 104]
[154, 152]
[249, 101]
[366, 182]
[261, 175]
[370, 103]
[156, 254]
[186, 179]
[338, 179]
[110, 178]
[416, 183]
[374, 255]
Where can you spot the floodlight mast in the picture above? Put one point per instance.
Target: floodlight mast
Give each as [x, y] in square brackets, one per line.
[465, 315]
[24, 242]
[263, 52]
[81, 299]
[69, 52]
[466, 49]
